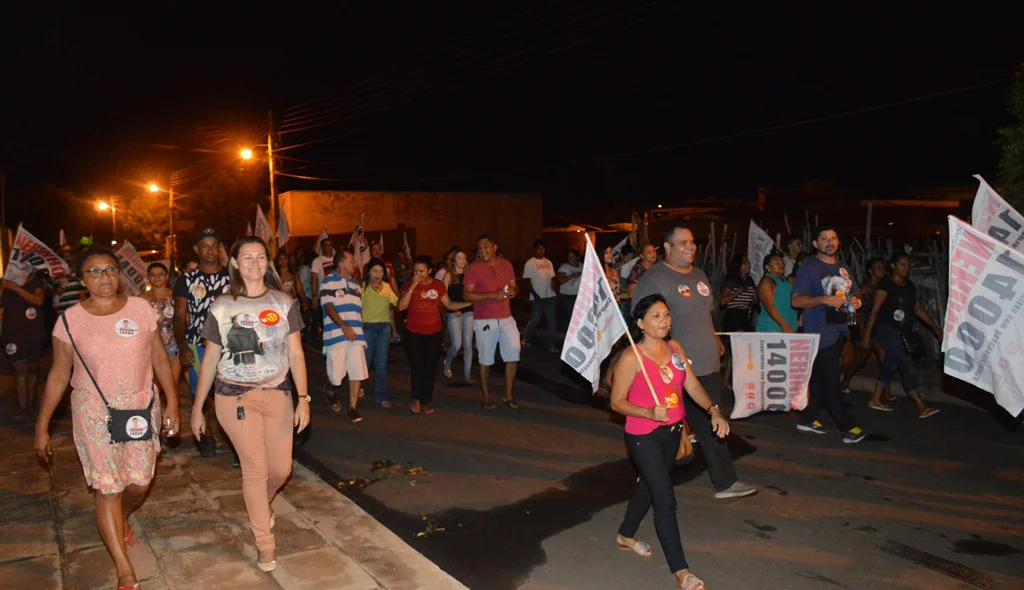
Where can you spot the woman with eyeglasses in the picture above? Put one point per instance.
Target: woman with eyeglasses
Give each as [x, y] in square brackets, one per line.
[114, 338]
[254, 351]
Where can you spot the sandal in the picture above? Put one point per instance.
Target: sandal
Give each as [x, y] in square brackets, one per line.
[414, 412]
[928, 413]
[639, 547]
[488, 405]
[512, 403]
[135, 586]
[130, 539]
[385, 404]
[691, 582]
[428, 411]
[881, 408]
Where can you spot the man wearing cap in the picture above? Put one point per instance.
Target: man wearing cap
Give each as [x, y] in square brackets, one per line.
[194, 292]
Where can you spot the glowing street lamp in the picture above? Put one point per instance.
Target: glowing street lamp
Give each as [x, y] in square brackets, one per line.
[105, 206]
[153, 187]
[246, 154]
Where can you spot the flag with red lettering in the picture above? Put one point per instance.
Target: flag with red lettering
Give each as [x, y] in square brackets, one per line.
[133, 269]
[984, 327]
[596, 322]
[771, 371]
[994, 216]
[28, 253]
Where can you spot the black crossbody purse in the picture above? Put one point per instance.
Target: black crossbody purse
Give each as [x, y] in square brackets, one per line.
[124, 426]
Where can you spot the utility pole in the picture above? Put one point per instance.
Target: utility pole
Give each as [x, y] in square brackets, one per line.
[173, 240]
[274, 213]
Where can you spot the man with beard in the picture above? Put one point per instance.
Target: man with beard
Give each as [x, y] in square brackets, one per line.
[687, 291]
[822, 289]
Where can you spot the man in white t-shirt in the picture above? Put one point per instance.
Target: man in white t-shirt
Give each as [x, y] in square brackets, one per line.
[540, 272]
[323, 266]
[568, 280]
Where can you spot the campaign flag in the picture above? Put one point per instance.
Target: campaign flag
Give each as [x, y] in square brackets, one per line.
[133, 269]
[994, 216]
[248, 228]
[283, 231]
[381, 242]
[627, 268]
[759, 245]
[596, 321]
[984, 328]
[617, 250]
[27, 253]
[262, 228]
[771, 371]
[405, 246]
[320, 240]
[358, 243]
[63, 239]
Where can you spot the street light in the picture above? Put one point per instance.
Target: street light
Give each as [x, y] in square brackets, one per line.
[105, 206]
[245, 153]
[153, 188]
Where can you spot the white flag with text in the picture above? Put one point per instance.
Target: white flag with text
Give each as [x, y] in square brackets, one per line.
[759, 245]
[771, 371]
[283, 231]
[991, 214]
[133, 269]
[596, 322]
[28, 253]
[984, 330]
[262, 228]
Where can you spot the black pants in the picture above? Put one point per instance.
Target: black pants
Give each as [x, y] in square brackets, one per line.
[424, 352]
[824, 388]
[716, 452]
[654, 454]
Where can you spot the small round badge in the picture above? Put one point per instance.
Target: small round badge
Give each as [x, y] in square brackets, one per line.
[431, 294]
[269, 317]
[12, 348]
[843, 273]
[168, 312]
[137, 427]
[684, 290]
[677, 361]
[703, 289]
[126, 328]
[898, 315]
[31, 313]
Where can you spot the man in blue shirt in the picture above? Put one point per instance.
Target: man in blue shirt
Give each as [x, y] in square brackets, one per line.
[823, 290]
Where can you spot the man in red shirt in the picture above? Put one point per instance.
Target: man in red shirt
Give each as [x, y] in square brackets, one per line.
[490, 283]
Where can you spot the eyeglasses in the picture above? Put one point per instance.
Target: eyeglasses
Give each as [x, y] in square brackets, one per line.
[97, 272]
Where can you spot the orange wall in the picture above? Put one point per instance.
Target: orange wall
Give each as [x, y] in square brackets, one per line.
[440, 220]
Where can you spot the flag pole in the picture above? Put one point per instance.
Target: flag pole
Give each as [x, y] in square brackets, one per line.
[618, 314]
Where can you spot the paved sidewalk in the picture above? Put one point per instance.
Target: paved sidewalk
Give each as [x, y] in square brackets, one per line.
[192, 528]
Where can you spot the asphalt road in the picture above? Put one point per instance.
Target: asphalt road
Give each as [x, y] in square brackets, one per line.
[532, 499]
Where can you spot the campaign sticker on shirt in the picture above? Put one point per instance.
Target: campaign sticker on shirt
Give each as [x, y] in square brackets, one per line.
[431, 294]
[12, 348]
[136, 427]
[703, 289]
[269, 317]
[247, 319]
[843, 273]
[198, 290]
[677, 361]
[671, 399]
[898, 315]
[126, 328]
[168, 312]
[31, 313]
[666, 373]
[684, 290]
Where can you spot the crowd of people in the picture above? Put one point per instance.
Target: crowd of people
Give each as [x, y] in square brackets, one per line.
[238, 329]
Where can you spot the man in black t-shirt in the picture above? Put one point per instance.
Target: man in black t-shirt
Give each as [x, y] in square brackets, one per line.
[24, 335]
[194, 292]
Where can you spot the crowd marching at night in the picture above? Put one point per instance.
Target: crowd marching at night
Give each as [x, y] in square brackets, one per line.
[235, 327]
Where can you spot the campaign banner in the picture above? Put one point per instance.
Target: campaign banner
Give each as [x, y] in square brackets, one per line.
[262, 228]
[133, 269]
[27, 253]
[358, 243]
[984, 330]
[771, 371]
[759, 245]
[991, 214]
[284, 233]
[596, 322]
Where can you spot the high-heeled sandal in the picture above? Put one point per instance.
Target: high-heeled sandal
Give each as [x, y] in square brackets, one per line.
[639, 547]
[130, 539]
[691, 582]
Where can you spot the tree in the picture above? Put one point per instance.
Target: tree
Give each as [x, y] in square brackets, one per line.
[1011, 144]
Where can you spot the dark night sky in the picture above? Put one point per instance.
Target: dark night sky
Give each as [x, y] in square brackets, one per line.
[490, 97]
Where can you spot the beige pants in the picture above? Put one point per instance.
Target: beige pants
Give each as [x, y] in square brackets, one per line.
[263, 441]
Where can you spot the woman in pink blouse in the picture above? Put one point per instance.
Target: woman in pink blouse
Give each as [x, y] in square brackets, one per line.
[117, 339]
[653, 430]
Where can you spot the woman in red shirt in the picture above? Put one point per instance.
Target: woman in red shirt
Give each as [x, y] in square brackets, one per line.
[422, 298]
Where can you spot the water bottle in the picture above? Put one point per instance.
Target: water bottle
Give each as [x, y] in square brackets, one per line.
[851, 314]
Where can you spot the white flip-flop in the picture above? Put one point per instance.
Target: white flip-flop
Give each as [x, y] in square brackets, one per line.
[929, 413]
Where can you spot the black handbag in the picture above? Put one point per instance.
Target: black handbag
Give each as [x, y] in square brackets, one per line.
[912, 343]
[124, 426]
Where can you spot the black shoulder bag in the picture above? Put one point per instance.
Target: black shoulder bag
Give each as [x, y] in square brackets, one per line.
[123, 425]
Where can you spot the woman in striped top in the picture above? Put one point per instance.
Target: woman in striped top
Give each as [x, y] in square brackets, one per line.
[739, 297]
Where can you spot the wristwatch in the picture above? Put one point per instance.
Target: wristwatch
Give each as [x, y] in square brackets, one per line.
[306, 397]
[713, 406]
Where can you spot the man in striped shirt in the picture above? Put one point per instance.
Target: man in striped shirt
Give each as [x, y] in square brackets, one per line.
[344, 342]
[70, 290]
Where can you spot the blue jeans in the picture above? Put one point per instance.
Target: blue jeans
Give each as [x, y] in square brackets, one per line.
[539, 307]
[378, 338]
[896, 359]
[460, 330]
[198, 352]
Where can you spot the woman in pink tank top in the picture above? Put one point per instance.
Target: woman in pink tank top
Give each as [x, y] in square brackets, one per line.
[653, 430]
